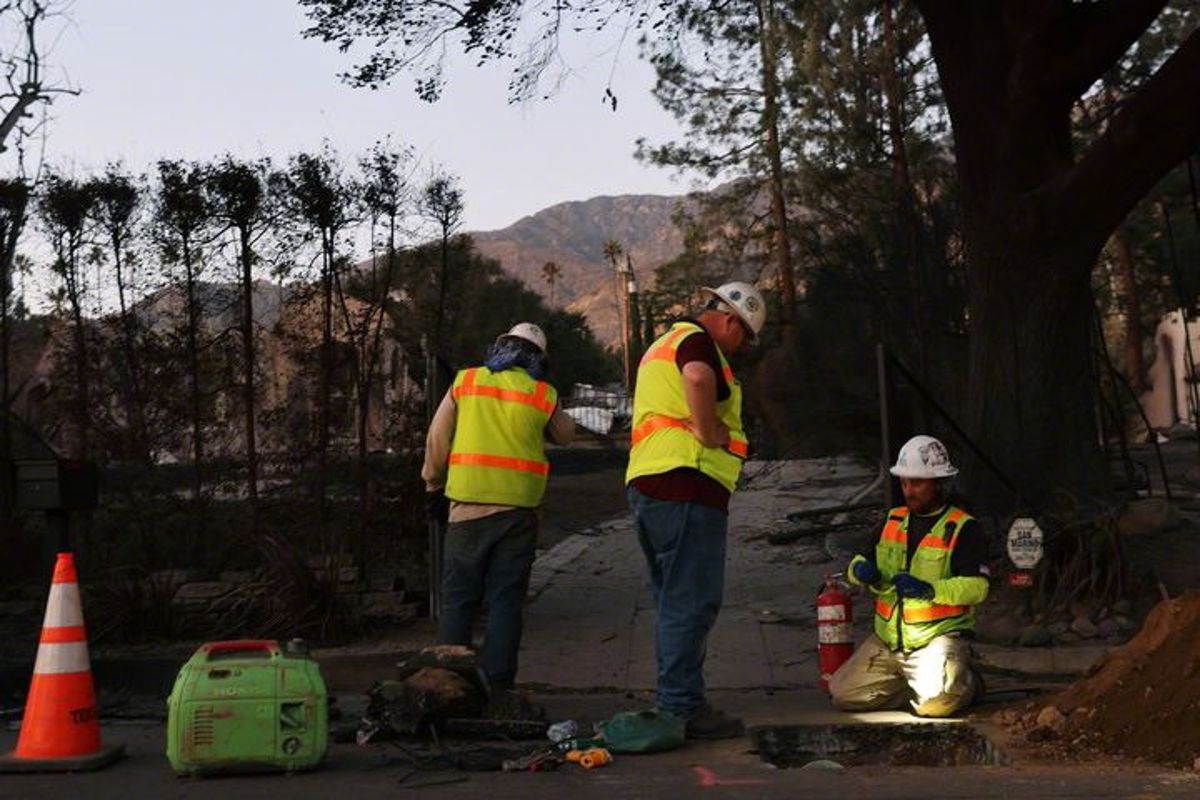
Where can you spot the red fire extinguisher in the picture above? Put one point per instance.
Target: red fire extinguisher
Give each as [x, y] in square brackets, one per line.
[835, 635]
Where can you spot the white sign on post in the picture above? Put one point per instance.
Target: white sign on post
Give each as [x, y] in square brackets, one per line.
[1025, 547]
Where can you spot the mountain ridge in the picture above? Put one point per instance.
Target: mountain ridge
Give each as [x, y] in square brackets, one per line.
[572, 234]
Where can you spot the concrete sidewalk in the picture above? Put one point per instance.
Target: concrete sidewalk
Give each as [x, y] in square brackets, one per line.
[591, 622]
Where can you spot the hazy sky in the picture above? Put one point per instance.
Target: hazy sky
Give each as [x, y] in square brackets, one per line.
[197, 78]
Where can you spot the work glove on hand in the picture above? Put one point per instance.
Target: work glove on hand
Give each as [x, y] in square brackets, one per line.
[437, 507]
[908, 586]
[866, 572]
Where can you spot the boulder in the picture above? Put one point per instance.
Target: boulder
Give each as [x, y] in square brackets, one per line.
[1084, 628]
[1035, 636]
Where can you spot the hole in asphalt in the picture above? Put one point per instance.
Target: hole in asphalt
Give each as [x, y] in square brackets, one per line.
[950, 744]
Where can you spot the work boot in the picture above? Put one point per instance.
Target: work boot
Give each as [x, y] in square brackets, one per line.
[709, 723]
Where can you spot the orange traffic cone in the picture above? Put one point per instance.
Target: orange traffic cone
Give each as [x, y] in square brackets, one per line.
[61, 728]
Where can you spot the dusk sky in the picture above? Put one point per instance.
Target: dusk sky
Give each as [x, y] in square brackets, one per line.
[175, 78]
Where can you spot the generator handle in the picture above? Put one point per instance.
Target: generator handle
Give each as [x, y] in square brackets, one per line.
[268, 646]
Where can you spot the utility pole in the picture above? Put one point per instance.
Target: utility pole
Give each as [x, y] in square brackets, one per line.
[630, 333]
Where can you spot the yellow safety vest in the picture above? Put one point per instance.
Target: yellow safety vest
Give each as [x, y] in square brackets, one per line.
[498, 454]
[919, 621]
[660, 440]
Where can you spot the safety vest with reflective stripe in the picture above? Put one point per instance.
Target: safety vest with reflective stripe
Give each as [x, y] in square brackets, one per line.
[910, 623]
[497, 455]
[660, 440]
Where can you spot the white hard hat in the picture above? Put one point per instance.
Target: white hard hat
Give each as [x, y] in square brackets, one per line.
[745, 301]
[923, 457]
[529, 332]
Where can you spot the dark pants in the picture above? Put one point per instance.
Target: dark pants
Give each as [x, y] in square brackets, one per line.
[488, 560]
[684, 546]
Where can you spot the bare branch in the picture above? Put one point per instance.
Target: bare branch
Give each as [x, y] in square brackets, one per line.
[23, 68]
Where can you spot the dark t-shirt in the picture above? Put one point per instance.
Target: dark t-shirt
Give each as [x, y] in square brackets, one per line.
[969, 559]
[685, 484]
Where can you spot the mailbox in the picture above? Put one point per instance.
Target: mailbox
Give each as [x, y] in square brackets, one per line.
[56, 485]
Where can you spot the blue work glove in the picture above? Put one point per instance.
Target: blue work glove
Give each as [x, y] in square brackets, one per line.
[867, 572]
[908, 586]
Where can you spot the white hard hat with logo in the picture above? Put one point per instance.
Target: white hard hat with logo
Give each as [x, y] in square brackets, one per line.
[745, 301]
[923, 457]
[529, 332]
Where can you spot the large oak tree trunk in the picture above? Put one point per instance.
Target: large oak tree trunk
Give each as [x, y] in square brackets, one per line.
[1036, 213]
[1031, 397]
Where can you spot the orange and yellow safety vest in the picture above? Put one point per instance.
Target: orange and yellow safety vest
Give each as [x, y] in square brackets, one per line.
[660, 440]
[911, 623]
[498, 454]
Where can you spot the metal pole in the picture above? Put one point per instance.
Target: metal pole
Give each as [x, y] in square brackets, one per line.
[884, 426]
[436, 534]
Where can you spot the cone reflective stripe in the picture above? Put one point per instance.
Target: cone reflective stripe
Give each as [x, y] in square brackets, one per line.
[61, 727]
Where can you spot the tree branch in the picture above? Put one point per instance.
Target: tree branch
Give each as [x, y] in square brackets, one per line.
[14, 114]
[1157, 129]
[1095, 36]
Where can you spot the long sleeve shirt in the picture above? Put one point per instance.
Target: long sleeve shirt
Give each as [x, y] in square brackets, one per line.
[560, 429]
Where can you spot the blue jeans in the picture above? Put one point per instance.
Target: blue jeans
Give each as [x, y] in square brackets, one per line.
[488, 559]
[684, 545]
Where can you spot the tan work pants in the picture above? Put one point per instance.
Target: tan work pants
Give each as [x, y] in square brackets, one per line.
[936, 680]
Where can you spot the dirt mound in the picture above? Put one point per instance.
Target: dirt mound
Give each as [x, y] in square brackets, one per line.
[1142, 700]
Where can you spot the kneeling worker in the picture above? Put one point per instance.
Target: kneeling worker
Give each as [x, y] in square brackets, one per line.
[927, 572]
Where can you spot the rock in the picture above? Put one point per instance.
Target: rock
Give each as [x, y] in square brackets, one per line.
[1068, 638]
[1122, 606]
[1146, 516]
[1060, 627]
[1009, 717]
[824, 764]
[998, 629]
[1084, 627]
[1125, 624]
[1196, 764]
[1051, 720]
[1108, 627]
[1035, 636]
[427, 696]
[1081, 609]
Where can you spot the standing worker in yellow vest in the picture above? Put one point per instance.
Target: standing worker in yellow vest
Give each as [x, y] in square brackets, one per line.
[485, 456]
[687, 448]
[927, 572]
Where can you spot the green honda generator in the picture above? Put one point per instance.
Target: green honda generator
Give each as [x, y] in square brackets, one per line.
[246, 706]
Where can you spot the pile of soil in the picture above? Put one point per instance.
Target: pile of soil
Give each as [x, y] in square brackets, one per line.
[1142, 700]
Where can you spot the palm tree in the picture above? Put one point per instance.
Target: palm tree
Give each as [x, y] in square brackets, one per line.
[551, 272]
[613, 251]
